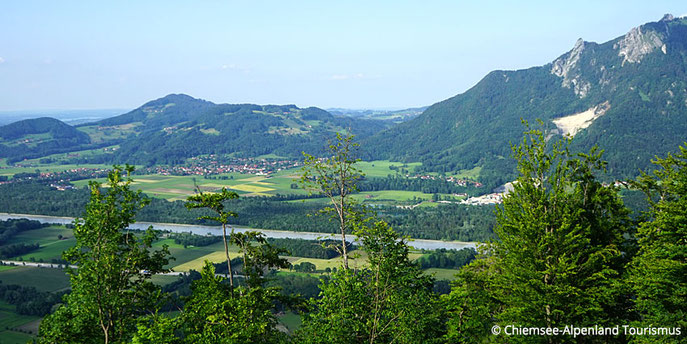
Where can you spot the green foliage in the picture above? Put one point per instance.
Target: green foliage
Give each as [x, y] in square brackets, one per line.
[306, 248]
[215, 203]
[659, 271]
[189, 239]
[28, 300]
[336, 178]
[390, 301]
[176, 127]
[559, 258]
[110, 288]
[257, 258]
[472, 303]
[475, 128]
[448, 259]
[38, 137]
[446, 222]
[214, 315]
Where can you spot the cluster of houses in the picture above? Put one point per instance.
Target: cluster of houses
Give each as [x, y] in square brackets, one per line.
[212, 164]
[59, 179]
[451, 179]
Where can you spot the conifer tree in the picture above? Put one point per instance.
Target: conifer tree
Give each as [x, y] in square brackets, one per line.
[659, 271]
[559, 254]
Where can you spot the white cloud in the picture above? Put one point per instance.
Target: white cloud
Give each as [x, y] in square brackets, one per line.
[2, 60]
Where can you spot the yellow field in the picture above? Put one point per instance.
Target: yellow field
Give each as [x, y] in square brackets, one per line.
[251, 188]
[141, 180]
[253, 179]
[197, 264]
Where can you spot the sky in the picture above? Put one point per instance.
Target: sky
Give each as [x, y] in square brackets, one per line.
[349, 54]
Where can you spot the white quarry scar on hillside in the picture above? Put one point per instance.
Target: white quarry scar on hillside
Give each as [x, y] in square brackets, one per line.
[571, 125]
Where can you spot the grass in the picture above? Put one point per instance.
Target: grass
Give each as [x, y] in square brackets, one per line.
[10, 171]
[380, 168]
[442, 274]
[162, 279]
[12, 337]
[50, 246]
[10, 320]
[180, 187]
[391, 195]
[198, 263]
[469, 174]
[291, 320]
[185, 255]
[100, 134]
[43, 279]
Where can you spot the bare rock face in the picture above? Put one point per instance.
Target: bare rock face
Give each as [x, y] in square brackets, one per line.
[667, 17]
[637, 44]
[565, 67]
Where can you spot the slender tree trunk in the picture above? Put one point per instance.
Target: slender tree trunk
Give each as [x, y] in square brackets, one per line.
[344, 248]
[226, 252]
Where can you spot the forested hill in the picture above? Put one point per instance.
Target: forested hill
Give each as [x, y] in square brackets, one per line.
[175, 127]
[170, 129]
[630, 91]
[38, 137]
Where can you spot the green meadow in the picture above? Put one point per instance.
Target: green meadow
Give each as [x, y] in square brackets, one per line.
[11, 323]
[43, 279]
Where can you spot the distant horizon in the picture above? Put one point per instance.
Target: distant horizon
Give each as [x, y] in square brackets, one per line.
[360, 56]
[49, 111]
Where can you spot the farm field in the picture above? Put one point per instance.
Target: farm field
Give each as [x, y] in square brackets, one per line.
[43, 279]
[283, 182]
[53, 241]
[442, 274]
[10, 322]
[174, 188]
[15, 328]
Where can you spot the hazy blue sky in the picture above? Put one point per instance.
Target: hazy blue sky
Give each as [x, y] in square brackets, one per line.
[356, 54]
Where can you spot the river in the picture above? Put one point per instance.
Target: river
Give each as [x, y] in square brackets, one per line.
[217, 230]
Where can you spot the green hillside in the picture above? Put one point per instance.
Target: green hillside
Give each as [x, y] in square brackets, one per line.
[37, 137]
[173, 128]
[176, 127]
[637, 84]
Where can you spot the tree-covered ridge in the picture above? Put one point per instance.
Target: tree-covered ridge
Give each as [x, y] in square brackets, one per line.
[176, 127]
[646, 115]
[173, 128]
[37, 137]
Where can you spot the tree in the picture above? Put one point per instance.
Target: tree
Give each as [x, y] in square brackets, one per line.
[659, 270]
[215, 202]
[389, 301]
[560, 253]
[112, 285]
[336, 177]
[215, 314]
[258, 258]
[472, 304]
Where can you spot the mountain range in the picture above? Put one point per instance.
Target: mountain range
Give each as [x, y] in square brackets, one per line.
[627, 95]
[176, 127]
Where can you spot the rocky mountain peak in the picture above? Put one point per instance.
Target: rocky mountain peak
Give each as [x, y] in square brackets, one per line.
[667, 17]
[565, 67]
[638, 43]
